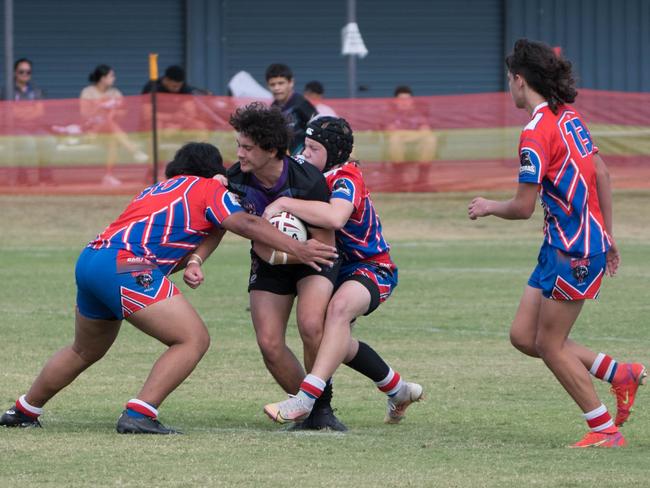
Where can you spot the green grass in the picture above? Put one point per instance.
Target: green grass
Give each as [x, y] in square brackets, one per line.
[492, 417]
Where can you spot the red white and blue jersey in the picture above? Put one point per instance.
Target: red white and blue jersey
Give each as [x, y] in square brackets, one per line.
[361, 238]
[556, 152]
[169, 220]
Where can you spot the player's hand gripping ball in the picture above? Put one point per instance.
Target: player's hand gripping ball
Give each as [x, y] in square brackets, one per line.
[290, 225]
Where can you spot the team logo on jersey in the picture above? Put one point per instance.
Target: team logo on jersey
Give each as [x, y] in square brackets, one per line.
[341, 186]
[580, 269]
[143, 279]
[526, 164]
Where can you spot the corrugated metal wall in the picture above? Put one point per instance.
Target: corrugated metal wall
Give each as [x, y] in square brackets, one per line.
[66, 39]
[443, 46]
[436, 46]
[608, 41]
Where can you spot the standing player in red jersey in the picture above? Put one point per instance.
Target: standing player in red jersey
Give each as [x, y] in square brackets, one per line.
[122, 275]
[366, 279]
[559, 161]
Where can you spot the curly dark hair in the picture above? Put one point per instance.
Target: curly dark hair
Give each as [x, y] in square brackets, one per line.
[266, 126]
[196, 159]
[546, 72]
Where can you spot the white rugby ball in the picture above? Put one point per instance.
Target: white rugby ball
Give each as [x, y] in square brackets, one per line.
[290, 225]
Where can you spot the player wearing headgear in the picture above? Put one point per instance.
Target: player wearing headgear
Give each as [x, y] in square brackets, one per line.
[122, 275]
[559, 161]
[263, 173]
[366, 279]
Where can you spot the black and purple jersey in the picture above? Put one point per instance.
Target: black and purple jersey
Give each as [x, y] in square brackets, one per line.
[298, 180]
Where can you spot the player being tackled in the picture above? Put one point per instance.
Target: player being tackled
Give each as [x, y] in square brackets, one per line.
[366, 279]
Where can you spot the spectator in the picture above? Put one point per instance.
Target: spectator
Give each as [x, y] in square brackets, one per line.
[172, 82]
[24, 88]
[294, 106]
[35, 146]
[409, 129]
[173, 114]
[99, 103]
[314, 92]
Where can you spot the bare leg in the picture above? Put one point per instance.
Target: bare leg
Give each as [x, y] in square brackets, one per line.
[175, 323]
[351, 300]
[314, 294]
[523, 332]
[555, 321]
[270, 313]
[92, 339]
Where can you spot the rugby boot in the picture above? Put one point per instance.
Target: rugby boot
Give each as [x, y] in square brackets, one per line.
[290, 410]
[396, 406]
[626, 388]
[15, 418]
[321, 418]
[600, 439]
[144, 425]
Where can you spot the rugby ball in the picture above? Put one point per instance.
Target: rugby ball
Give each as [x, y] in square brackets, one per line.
[290, 225]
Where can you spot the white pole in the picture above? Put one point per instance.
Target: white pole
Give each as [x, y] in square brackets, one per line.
[352, 58]
[9, 49]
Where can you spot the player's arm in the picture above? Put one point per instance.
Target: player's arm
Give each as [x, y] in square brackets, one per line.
[311, 252]
[329, 215]
[193, 274]
[519, 207]
[604, 190]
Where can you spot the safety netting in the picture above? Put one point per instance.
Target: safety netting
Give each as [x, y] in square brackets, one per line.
[436, 143]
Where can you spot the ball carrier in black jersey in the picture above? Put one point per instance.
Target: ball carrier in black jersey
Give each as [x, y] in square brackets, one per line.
[263, 173]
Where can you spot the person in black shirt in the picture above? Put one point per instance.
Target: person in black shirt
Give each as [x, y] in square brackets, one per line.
[264, 173]
[294, 106]
[172, 82]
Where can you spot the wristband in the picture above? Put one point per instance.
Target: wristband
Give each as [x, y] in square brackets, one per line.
[195, 258]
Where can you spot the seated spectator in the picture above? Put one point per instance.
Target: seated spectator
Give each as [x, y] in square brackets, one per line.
[34, 146]
[314, 92]
[24, 87]
[173, 81]
[295, 107]
[99, 103]
[170, 113]
[409, 130]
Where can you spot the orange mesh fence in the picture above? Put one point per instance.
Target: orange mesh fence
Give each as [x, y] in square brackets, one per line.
[438, 143]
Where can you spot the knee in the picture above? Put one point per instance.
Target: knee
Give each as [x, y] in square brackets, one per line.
[311, 329]
[271, 347]
[544, 348]
[201, 342]
[88, 355]
[523, 343]
[338, 312]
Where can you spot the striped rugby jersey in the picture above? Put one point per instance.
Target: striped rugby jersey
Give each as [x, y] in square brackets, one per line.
[361, 238]
[556, 152]
[167, 221]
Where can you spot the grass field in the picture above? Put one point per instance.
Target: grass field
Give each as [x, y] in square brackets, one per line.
[492, 417]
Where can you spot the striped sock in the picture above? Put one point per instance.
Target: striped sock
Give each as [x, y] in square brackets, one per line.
[604, 367]
[391, 384]
[29, 410]
[599, 420]
[311, 388]
[138, 409]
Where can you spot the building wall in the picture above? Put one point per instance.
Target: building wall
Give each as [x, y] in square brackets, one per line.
[608, 41]
[66, 39]
[436, 46]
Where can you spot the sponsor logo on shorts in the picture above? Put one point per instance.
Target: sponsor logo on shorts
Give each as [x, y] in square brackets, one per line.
[143, 279]
[580, 269]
